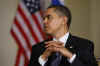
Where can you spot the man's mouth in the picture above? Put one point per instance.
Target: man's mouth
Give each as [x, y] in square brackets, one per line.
[45, 26]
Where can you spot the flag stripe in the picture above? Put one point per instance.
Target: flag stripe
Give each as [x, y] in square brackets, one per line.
[21, 40]
[25, 28]
[26, 58]
[40, 20]
[20, 51]
[18, 57]
[15, 37]
[22, 60]
[37, 24]
[31, 22]
[23, 34]
[27, 23]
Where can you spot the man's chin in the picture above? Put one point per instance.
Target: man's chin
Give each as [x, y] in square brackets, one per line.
[48, 32]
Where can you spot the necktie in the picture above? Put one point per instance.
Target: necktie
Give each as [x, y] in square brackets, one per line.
[57, 60]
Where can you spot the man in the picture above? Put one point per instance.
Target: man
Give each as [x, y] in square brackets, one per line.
[64, 49]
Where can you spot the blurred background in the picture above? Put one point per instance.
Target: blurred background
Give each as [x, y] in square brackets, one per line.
[85, 23]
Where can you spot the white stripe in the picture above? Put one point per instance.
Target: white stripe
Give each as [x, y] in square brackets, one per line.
[39, 19]
[22, 59]
[31, 21]
[21, 39]
[25, 29]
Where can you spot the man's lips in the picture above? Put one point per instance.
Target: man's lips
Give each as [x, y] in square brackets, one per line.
[45, 26]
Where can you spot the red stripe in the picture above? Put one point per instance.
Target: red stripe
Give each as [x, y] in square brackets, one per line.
[16, 38]
[26, 62]
[19, 45]
[23, 34]
[28, 24]
[20, 51]
[38, 25]
[18, 57]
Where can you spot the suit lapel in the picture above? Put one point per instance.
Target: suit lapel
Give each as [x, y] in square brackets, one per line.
[64, 60]
[69, 41]
[70, 45]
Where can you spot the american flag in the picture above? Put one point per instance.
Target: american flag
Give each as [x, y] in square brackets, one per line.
[27, 29]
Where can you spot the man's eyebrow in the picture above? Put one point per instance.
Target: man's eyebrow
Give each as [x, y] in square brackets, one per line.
[46, 16]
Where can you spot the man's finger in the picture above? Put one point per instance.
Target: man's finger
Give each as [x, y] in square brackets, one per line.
[54, 45]
[54, 42]
[53, 49]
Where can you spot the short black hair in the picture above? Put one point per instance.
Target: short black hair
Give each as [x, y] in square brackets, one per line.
[64, 11]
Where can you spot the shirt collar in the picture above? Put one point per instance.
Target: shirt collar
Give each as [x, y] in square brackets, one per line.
[63, 38]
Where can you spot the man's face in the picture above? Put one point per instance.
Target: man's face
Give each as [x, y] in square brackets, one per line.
[52, 22]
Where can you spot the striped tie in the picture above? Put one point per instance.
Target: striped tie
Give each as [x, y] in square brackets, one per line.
[56, 61]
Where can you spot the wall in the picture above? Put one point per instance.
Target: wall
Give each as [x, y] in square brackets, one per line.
[85, 20]
[8, 47]
[85, 23]
[80, 17]
[95, 23]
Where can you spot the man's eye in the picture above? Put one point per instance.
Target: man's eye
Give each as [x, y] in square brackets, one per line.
[48, 17]
[44, 18]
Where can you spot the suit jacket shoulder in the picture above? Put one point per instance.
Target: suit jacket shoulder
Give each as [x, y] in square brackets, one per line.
[82, 42]
[37, 50]
[84, 49]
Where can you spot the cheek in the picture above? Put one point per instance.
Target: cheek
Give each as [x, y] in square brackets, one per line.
[55, 24]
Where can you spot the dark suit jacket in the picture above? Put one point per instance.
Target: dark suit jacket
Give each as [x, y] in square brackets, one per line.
[83, 48]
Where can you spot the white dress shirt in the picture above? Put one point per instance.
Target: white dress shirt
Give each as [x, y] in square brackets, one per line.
[64, 40]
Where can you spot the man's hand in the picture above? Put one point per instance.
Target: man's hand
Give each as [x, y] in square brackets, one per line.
[46, 54]
[56, 46]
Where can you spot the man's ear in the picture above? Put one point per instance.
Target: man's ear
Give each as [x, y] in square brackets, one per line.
[65, 19]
